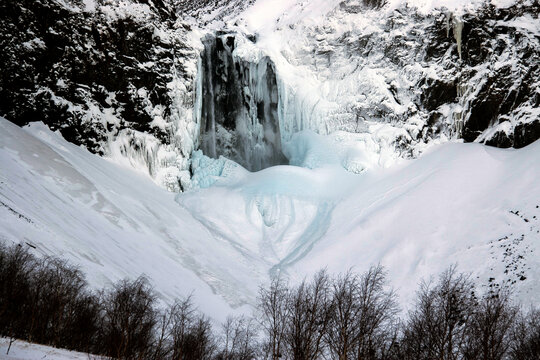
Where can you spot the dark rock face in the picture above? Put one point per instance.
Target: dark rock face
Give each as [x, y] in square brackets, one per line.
[81, 72]
[239, 117]
[438, 92]
[498, 73]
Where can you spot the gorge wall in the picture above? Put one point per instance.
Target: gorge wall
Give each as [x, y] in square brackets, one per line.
[122, 78]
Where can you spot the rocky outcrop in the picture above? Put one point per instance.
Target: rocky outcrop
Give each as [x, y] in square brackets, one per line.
[121, 78]
[97, 73]
[496, 76]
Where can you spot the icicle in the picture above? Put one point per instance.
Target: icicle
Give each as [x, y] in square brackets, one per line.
[212, 112]
[197, 108]
[448, 17]
[458, 28]
[239, 116]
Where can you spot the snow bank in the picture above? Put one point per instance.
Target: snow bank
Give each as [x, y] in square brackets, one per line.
[22, 350]
[112, 221]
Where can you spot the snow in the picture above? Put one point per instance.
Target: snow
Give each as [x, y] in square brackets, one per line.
[266, 16]
[110, 220]
[22, 350]
[336, 71]
[525, 22]
[458, 203]
[333, 75]
[323, 84]
[453, 205]
[90, 5]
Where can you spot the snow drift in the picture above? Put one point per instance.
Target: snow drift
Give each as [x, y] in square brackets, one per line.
[459, 203]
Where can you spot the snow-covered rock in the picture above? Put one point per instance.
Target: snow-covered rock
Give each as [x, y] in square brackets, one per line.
[114, 76]
[134, 80]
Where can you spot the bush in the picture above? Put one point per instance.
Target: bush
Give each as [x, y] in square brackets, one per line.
[309, 314]
[488, 331]
[363, 312]
[45, 301]
[184, 333]
[16, 267]
[273, 313]
[350, 316]
[436, 327]
[238, 339]
[525, 336]
[129, 318]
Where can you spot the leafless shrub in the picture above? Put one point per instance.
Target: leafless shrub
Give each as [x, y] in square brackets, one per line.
[350, 316]
[128, 320]
[272, 313]
[436, 327]
[55, 290]
[16, 266]
[487, 334]
[308, 318]
[525, 336]
[363, 318]
[183, 333]
[238, 339]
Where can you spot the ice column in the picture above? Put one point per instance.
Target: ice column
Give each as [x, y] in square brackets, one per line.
[458, 28]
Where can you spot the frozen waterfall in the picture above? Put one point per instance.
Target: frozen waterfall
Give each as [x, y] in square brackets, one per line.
[238, 112]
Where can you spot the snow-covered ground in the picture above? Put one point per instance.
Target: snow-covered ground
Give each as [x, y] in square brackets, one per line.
[458, 203]
[22, 350]
[112, 221]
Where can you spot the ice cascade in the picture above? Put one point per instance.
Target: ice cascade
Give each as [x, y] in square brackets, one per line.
[238, 105]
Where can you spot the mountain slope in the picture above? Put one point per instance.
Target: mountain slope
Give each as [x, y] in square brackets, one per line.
[112, 221]
[143, 82]
[461, 203]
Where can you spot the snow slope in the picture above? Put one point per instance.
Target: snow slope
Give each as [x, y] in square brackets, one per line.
[22, 350]
[110, 220]
[459, 203]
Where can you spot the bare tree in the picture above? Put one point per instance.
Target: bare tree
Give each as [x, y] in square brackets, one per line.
[238, 339]
[188, 335]
[341, 335]
[436, 327]
[55, 298]
[16, 271]
[525, 337]
[308, 318]
[363, 316]
[182, 315]
[378, 312]
[351, 316]
[129, 320]
[273, 315]
[488, 329]
[200, 342]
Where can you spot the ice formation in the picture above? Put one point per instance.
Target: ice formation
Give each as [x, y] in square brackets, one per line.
[457, 24]
[238, 112]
